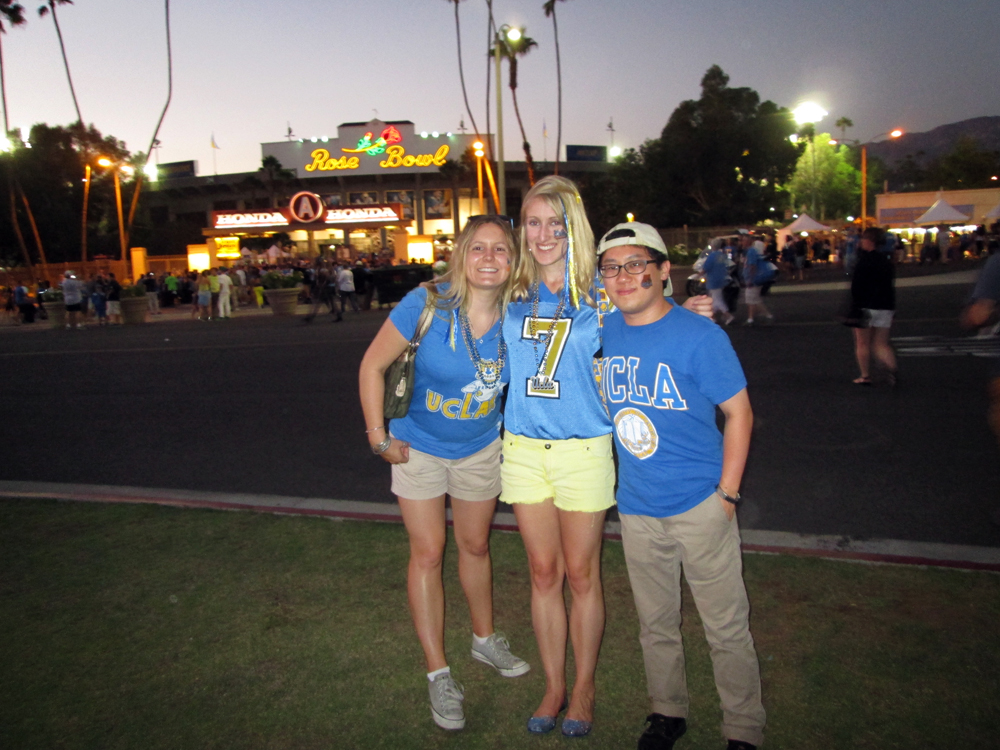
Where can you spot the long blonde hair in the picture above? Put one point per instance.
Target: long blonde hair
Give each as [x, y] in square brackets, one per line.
[456, 295]
[561, 195]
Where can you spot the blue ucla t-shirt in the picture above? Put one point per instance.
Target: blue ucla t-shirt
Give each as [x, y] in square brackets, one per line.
[662, 382]
[553, 392]
[452, 414]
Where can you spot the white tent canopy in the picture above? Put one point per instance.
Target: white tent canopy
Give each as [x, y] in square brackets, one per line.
[941, 212]
[994, 212]
[805, 223]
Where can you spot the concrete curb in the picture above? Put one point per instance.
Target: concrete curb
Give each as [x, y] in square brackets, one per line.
[881, 551]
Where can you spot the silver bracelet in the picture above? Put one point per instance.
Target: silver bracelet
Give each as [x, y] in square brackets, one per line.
[382, 447]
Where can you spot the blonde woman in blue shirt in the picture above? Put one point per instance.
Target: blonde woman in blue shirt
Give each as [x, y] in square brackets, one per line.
[448, 444]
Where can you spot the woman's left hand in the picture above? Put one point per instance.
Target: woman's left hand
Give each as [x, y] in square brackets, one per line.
[702, 305]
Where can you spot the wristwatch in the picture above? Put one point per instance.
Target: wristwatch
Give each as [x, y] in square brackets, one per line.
[727, 497]
[382, 447]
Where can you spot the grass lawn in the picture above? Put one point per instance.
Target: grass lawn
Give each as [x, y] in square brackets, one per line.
[148, 627]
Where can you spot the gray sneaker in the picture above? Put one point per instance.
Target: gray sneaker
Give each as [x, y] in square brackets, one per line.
[496, 653]
[446, 702]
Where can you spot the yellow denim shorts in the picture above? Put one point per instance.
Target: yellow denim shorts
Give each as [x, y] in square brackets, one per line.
[578, 473]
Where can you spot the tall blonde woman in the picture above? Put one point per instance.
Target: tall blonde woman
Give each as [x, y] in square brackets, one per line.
[449, 444]
[557, 469]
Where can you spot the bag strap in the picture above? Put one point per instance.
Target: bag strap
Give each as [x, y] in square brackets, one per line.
[424, 321]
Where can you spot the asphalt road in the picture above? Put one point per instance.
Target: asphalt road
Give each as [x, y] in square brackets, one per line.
[268, 405]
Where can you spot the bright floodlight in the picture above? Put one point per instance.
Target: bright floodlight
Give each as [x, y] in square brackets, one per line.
[104, 161]
[615, 151]
[479, 152]
[127, 169]
[478, 145]
[808, 112]
[514, 34]
[895, 133]
[5, 144]
[630, 216]
[152, 174]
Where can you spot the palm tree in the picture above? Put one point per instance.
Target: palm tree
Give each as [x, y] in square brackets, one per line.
[513, 49]
[550, 10]
[273, 174]
[844, 123]
[42, 10]
[13, 13]
[461, 71]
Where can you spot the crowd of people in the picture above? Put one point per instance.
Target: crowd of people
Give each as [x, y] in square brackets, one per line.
[533, 312]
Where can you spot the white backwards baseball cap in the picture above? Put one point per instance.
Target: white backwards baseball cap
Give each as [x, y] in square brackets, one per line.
[632, 233]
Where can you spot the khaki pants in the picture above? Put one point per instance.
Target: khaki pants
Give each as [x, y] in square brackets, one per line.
[707, 544]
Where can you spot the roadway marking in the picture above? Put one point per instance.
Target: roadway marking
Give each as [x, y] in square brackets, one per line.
[942, 346]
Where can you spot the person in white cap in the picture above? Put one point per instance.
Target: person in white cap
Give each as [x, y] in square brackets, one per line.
[665, 371]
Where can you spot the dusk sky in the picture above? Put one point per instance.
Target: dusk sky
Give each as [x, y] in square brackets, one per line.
[243, 68]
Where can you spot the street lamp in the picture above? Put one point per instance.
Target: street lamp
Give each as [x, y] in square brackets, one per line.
[478, 146]
[864, 170]
[118, 167]
[504, 33]
[809, 113]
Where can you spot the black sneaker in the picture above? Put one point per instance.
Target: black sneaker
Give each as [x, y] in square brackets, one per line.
[740, 745]
[662, 732]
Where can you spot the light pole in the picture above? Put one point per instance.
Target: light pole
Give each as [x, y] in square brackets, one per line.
[86, 199]
[809, 113]
[864, 169]
[118, 167]
[504, 33]
[478, 146]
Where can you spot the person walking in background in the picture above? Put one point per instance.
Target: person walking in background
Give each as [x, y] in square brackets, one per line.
[99, 297]
[448, 444]
[72, 291]
[203, 299]
[982, 311]
[225, 293]
[665, 371]
[345, 285]
[114, 300]
[152, 293]
[25, 305]
[170, 290]
[873, 304]
[716, 270]
[214, 287]
[752, 268]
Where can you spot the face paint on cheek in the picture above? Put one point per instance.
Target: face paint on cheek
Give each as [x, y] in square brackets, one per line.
[647, 281]
[560, 234]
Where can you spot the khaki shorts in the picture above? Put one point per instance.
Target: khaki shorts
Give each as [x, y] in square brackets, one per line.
[579, 474]
[475, 477]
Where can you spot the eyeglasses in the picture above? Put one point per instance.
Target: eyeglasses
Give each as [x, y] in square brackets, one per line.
[490, 217]
[633, 267]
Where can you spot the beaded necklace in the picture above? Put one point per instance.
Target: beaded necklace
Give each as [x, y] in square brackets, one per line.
[488, 371]
[540, 380]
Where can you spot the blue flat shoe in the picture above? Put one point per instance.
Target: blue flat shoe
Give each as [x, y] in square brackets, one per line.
[544, 724]
[576, 727]
[541, 724]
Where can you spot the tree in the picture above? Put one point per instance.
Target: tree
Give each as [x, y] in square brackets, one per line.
[844, 123]
[274, 175]
[720, 158]
[511, 49]
[461, 70]
[837, 183]
[550, 10]
[42, 10]
[51, 174]
[13, 14]
[455, 171]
